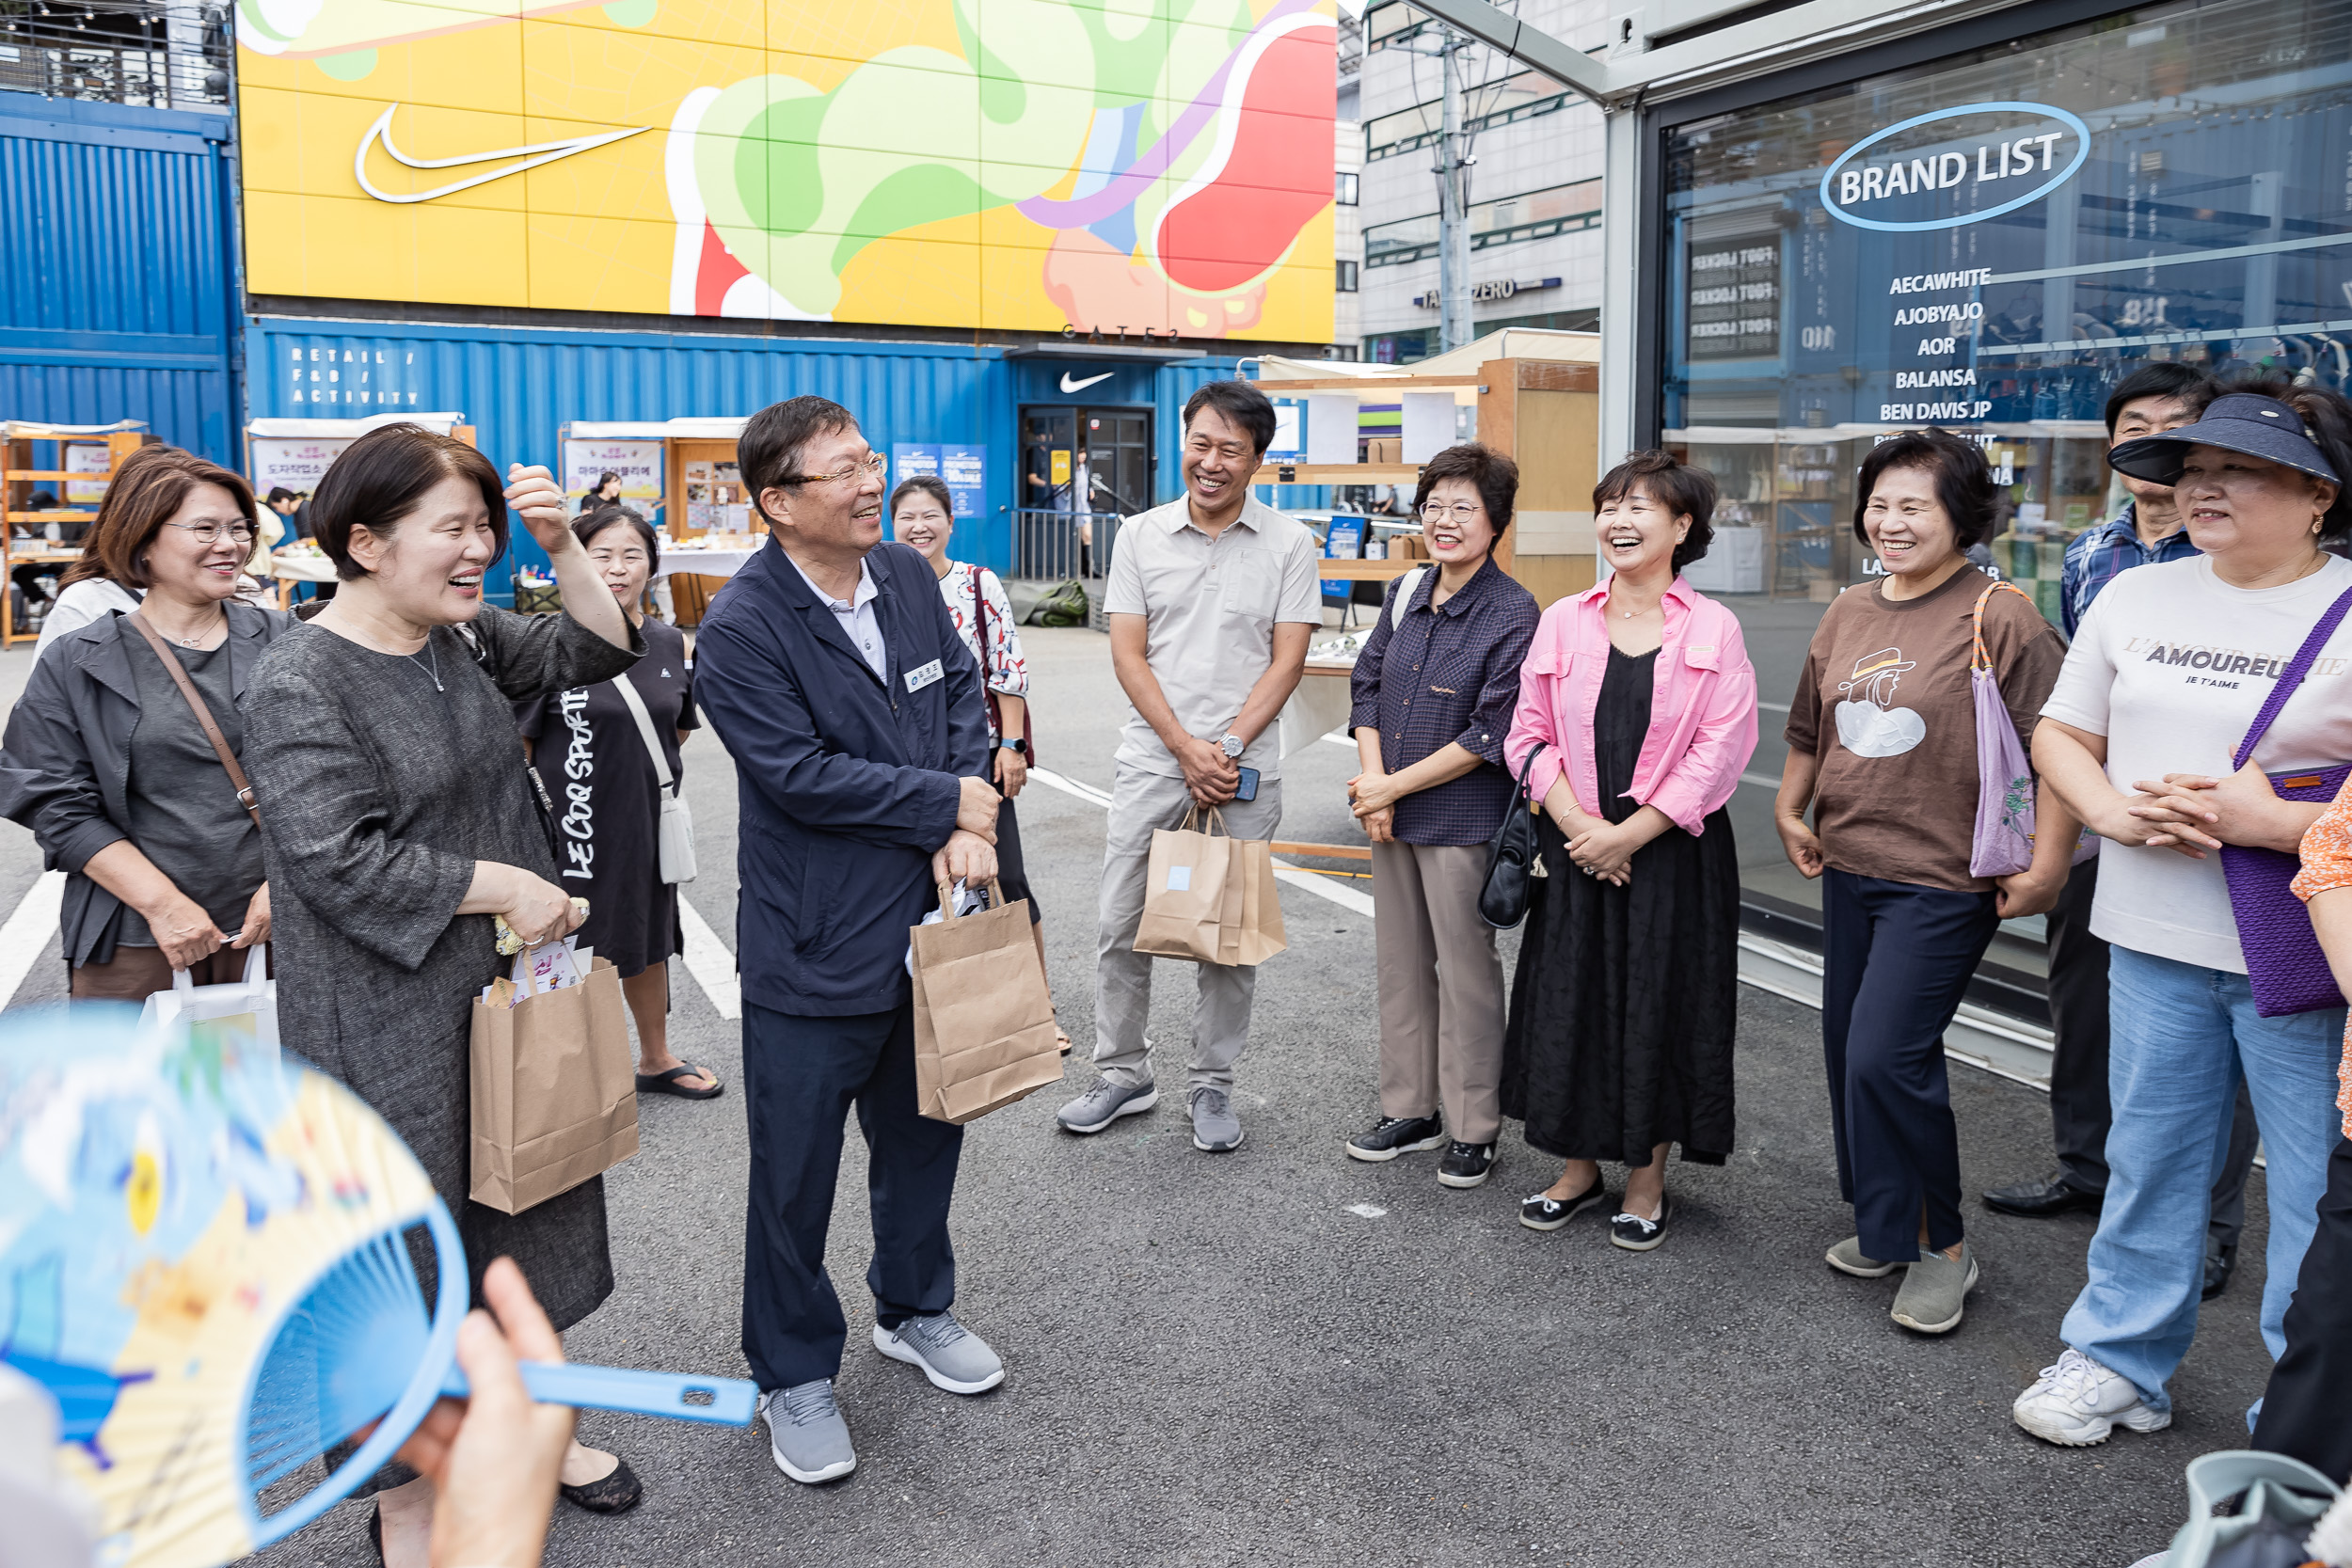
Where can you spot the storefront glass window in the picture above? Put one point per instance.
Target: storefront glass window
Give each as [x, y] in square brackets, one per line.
[1988, 243]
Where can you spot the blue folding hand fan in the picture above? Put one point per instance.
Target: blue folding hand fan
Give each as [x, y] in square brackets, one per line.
[206, 1257]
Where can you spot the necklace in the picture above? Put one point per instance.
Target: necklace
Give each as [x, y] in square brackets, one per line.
[436, 669]
[192, 641]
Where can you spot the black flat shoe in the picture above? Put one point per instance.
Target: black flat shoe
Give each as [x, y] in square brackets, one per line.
[1635, 1234]
[1549, 1214]
[2221, 1263]
[2042, 1199]
[615, 1494]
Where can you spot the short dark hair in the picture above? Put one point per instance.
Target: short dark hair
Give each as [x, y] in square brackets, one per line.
[768, 454]
[927, 485]
[2162, 378]
[2328, 421]
[1686, 490]
[589, 524]
[280, 493]
[1963, 480]
[380, 478]
[1239, 402]
[152, 484]
[1494, 476]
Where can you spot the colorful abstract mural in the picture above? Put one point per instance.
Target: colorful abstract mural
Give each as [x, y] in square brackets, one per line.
[1132, 165]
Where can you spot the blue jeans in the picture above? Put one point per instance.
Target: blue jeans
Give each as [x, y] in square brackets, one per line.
[2183, 1036]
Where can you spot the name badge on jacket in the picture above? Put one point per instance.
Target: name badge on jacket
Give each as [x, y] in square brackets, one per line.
[919, 678]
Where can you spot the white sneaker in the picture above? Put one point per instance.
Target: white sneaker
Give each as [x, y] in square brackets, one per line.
[2078, 1402]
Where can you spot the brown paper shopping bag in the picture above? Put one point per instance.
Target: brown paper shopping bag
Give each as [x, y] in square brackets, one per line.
[554, 1090]
[1192, 908]
[983, 1021]
[1260, 935]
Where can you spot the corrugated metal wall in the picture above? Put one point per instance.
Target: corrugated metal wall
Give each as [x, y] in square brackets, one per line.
[117, 272]
[519, 387]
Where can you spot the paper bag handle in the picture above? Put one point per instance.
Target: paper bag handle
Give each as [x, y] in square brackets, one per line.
[992, 899]
[1215, 823]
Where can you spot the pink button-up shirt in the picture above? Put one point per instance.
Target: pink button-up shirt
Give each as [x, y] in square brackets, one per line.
[1702, 714]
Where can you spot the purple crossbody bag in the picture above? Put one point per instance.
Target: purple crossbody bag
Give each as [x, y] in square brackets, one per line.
[2288, 971]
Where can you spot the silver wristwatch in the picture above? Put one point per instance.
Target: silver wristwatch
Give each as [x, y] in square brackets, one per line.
[1233, 745]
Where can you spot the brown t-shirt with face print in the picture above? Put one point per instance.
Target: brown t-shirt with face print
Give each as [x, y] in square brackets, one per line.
[1885, 704]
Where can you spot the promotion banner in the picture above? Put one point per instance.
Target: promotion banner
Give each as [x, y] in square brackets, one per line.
[639, 463]
[84, 457]
[963, 469]
[292, 463]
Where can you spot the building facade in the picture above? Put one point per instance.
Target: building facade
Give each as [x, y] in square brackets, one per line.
[1534, 198]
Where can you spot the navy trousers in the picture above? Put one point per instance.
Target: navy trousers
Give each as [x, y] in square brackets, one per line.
[1895, 962]
[800, 1076]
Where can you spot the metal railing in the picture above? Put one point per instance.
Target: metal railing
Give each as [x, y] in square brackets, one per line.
[1049, 547]
[154, 53]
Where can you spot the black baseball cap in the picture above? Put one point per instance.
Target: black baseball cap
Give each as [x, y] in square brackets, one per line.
[2238, 421]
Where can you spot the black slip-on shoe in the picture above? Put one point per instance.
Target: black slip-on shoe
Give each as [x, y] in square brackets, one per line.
[1549, 1214]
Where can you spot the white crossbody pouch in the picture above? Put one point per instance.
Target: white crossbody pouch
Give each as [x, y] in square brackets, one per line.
[676, 828]
[1406, 587]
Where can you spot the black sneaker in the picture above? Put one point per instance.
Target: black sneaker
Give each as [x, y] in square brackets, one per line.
[1465, 1164]
[1549, 1214]
[1390, 1136]
[1639, 1235]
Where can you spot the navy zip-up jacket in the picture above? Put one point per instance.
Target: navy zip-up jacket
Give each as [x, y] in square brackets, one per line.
[846, 783]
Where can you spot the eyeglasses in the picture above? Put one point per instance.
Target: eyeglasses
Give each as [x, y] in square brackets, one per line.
[875, 466]
[1461, 512]
[212, 534]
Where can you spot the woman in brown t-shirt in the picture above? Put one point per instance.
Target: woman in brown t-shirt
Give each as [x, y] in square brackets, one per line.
[1882, 748]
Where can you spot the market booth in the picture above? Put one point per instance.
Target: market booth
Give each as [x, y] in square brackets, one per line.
[681, 476]
[74, 464]
[294, 454]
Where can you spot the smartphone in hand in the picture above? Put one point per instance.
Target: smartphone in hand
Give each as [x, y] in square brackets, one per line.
[1248, 788]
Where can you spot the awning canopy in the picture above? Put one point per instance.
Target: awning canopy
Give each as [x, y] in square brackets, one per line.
[28, 430]
[313, 429]
[720, 427]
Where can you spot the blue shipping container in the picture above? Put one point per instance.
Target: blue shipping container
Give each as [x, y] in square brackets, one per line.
[519, 385]
[117, 272]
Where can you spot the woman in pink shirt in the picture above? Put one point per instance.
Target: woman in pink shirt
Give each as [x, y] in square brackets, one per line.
[1639, 696]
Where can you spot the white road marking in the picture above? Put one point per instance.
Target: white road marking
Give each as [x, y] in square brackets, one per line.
[1322, 887]
[711, 963]
[1366, 1211]
[28, 930]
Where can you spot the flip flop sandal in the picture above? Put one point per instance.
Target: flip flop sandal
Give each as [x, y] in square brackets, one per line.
[615, 1494]
[667, 1082]
[1064, 1036]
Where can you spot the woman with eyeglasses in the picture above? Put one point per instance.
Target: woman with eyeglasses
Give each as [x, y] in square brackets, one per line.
[109, 764]
[1432, 695]
[591, 754]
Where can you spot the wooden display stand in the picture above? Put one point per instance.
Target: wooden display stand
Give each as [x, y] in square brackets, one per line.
[1543, 414]
[703, 473]
[17, 483]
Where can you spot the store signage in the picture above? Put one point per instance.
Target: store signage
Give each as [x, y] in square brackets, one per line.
[1732, 299]
[2030, 151]
[1490, 290]
[641, 465]
[295, 464]
[961, 469]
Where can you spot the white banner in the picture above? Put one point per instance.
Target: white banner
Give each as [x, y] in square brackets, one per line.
[639, 463]
[84, 457]
[295, 464]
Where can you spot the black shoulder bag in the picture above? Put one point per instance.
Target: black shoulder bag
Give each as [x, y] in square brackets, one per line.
[1513, 858]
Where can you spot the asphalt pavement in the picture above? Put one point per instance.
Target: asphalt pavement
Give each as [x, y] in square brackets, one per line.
[1281, 1356]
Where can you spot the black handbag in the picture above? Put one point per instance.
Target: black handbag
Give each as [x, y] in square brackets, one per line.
[1511, 859]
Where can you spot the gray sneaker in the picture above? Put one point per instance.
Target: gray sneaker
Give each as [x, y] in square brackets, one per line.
[1106, 1104]
[950, 1354]
[1933, 1290]
[1847, 1256]
[1215, 1127]
[806, 1436]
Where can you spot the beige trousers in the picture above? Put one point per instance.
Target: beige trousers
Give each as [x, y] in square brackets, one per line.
[1440, 987]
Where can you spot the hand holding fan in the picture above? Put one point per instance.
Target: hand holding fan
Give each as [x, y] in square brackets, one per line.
[209, 1258]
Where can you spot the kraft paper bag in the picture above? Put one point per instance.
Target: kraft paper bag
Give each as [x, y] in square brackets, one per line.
[554, 1089]
[1186, 911]
[1260, 934]
[983, 1021]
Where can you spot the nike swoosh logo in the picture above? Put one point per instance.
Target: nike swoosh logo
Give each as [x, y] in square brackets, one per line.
[1070, 386]
[529, 158]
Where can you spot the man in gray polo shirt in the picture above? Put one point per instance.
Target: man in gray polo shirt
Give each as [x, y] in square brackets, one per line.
[1211, 601]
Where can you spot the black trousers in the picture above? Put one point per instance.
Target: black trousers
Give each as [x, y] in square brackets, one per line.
[1896, 961]
[2307, 1410]
[802, 1076]
[2079, 1107]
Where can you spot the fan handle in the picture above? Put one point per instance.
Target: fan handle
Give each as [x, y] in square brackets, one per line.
[719, 1400]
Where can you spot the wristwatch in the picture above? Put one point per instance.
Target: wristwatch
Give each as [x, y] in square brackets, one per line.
[1233, 745]
[1016, 744]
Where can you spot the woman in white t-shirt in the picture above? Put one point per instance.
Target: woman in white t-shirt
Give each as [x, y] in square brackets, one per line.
[2165, 679]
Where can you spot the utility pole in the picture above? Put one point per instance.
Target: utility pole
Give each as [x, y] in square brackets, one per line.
[1452, 172]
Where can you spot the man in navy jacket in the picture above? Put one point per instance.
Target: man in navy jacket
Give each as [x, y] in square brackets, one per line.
[854, 713]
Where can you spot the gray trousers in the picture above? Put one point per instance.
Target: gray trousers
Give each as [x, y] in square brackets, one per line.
[1440, 987]
[1141, 802]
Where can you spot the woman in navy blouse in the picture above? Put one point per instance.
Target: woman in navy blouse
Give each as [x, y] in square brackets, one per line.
[1434, 690]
